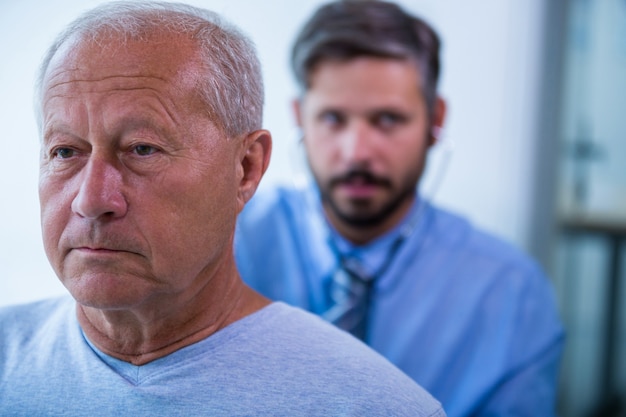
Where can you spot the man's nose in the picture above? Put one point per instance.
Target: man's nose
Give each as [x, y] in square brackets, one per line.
[101, 190]
[358, 143]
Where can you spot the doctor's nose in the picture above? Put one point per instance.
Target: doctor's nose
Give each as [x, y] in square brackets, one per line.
[357, 143]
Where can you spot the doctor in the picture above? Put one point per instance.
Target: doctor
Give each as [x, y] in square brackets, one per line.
[463, 313]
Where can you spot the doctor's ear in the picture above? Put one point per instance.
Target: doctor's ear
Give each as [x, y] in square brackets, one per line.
[436, 133]
[438, 118]
[296, 108]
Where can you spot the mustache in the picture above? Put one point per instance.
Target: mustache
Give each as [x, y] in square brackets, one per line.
[361, 175]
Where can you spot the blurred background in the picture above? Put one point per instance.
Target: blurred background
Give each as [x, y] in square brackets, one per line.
[534, 150]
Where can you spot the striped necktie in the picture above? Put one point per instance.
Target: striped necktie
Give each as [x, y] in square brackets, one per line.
[350, 290]
[351, 285]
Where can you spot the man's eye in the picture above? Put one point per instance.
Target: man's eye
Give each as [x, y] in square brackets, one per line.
[63, 153]
[332, 118]
[144, 150]
[388, 120]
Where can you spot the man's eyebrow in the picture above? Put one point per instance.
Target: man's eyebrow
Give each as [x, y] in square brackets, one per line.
[392, 109]
[62, 129]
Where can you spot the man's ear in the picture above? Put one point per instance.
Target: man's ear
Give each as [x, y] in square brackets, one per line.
[296, 107]
[254, 159]
[438, 118]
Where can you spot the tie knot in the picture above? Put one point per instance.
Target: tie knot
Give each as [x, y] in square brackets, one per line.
[357, 271]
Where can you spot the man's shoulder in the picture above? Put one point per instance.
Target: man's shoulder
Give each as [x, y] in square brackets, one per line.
[22, 320]
[457, 233]
[335, 351]
[331, 360]
[23, 327]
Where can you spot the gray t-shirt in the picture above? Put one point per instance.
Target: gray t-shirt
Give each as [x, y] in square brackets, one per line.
[280, 361]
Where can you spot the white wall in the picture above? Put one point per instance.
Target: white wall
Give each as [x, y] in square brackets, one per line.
[490, 73]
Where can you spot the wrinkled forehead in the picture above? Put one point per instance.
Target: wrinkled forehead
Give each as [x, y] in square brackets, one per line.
[170, 57]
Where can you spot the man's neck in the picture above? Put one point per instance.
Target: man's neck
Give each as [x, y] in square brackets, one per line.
[153, 331]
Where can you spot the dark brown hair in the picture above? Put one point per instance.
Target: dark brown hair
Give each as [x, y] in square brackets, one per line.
[347, 29]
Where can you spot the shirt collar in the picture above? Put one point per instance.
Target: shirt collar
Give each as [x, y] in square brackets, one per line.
[371, 255]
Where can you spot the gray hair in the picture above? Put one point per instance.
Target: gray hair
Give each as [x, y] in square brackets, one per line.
[346, 29]
[232, 85]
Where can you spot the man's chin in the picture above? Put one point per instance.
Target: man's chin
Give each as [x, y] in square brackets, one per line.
[105, 292]
[367, 212]
[360, 216]
[363, 222]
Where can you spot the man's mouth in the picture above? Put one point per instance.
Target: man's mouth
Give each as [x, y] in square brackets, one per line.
[359, 184]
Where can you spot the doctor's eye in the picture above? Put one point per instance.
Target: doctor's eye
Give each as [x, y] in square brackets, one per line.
[332, 118]
[388, 120]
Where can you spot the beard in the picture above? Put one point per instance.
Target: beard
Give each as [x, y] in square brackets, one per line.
[362, 213]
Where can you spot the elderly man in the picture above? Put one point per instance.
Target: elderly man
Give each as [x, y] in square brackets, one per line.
[464, 314]
[151, 145]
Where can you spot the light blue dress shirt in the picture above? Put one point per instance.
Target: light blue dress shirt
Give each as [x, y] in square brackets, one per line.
[467, 316]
